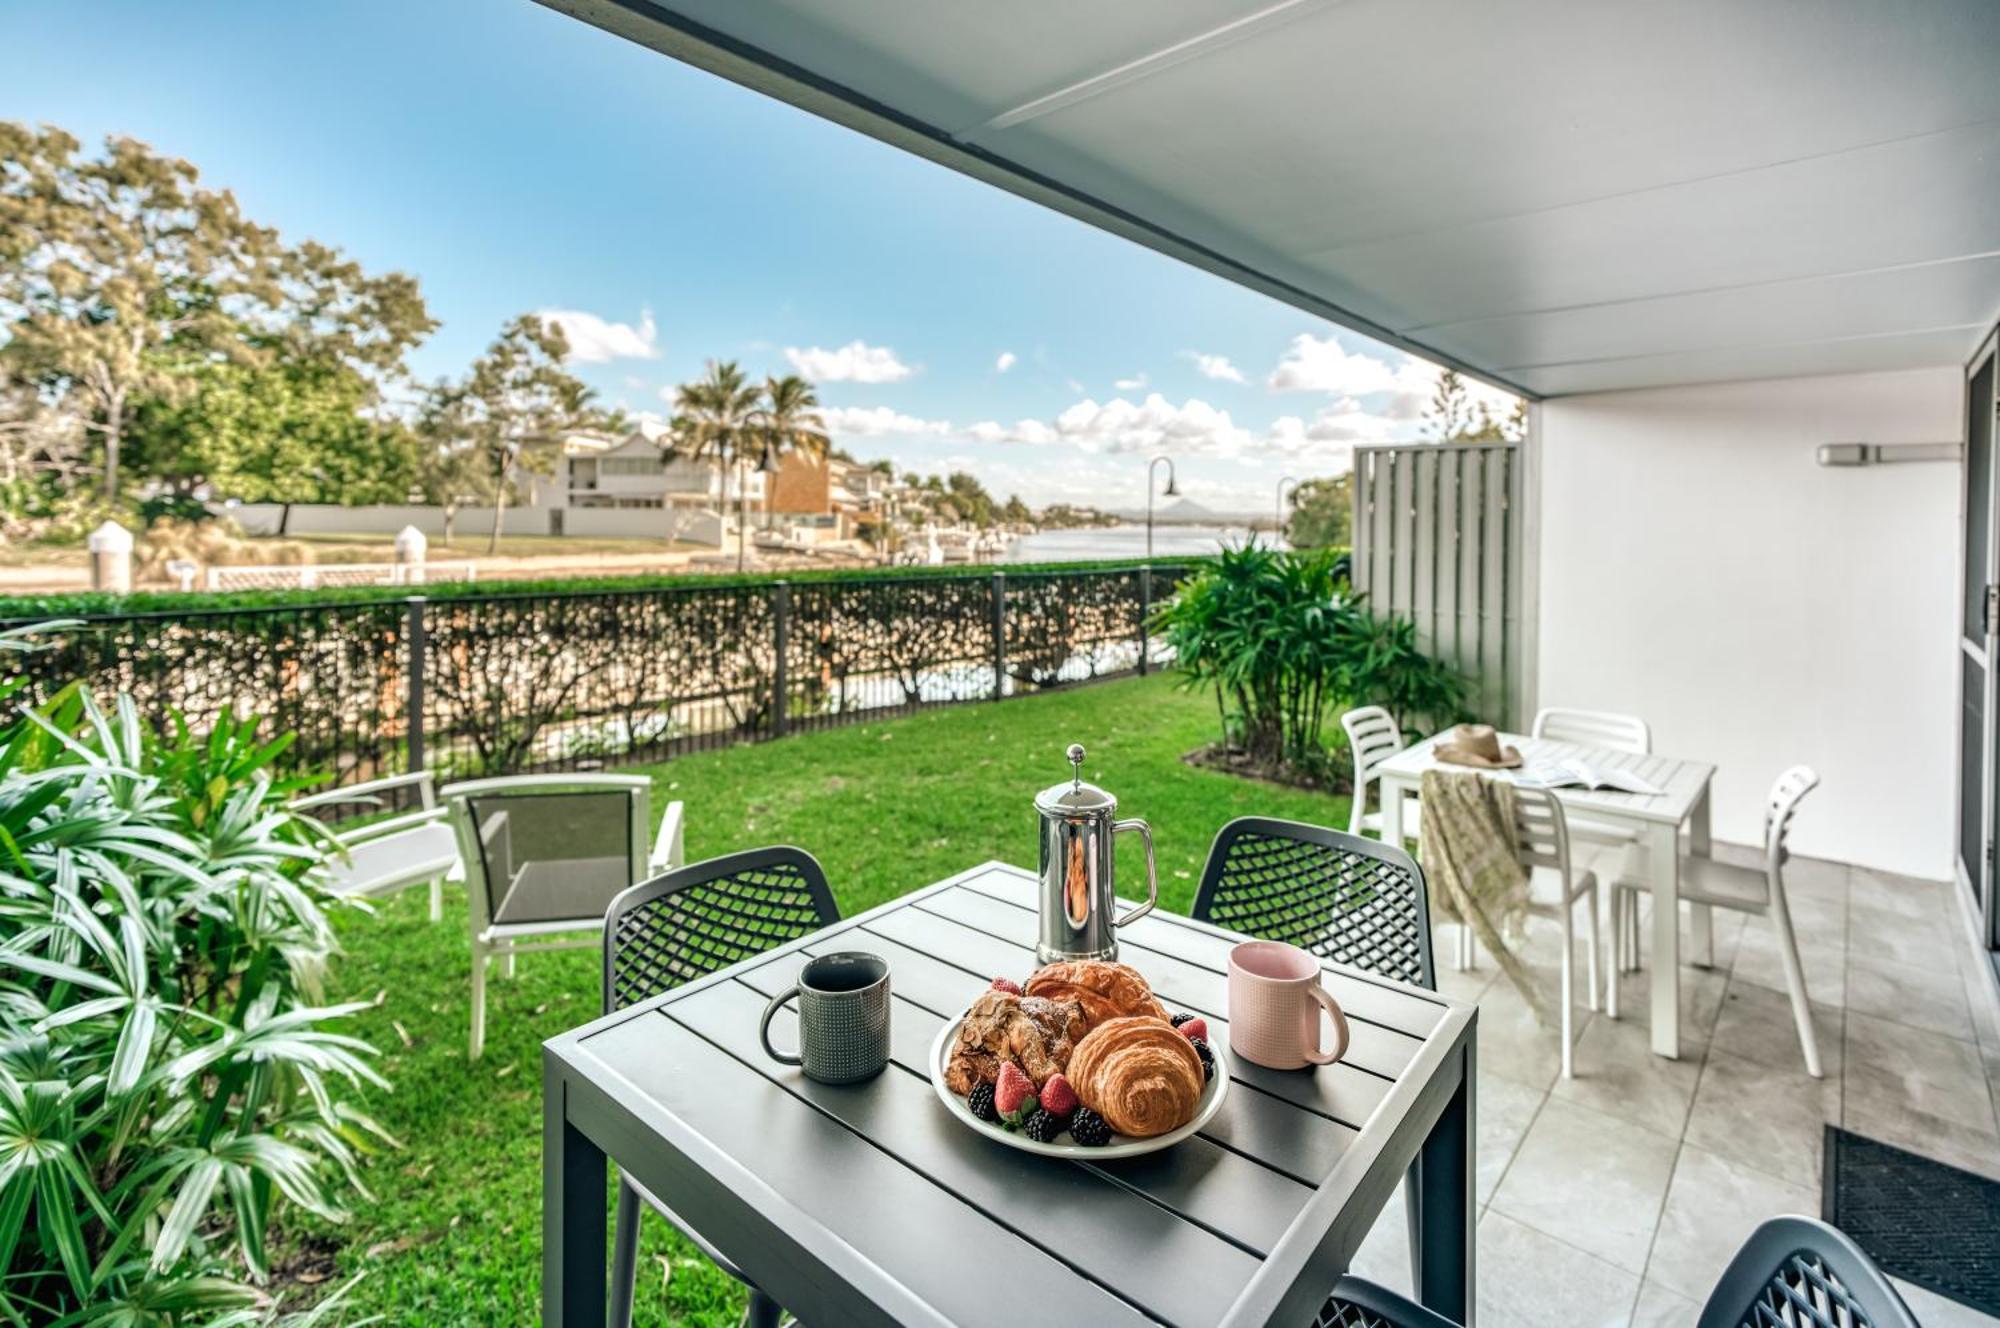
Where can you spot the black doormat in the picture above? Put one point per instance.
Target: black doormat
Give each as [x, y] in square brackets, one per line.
[1922, 1221]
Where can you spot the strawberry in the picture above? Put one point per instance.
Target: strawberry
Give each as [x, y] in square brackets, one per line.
[1195, 1028]
[1058, 1098]
[1014, 1094]
[1008, 985]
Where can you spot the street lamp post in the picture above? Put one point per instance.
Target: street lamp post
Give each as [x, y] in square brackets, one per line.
[1171, 491]
[1280, 513]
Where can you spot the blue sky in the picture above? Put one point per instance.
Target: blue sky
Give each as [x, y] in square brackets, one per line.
[514, 159]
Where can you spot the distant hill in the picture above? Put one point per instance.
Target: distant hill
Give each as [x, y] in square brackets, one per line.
[1188, 512]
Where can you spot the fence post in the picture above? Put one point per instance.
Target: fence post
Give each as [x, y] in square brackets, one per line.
[414, 724]
[781, 634]
[999, 635]
[1145, 619]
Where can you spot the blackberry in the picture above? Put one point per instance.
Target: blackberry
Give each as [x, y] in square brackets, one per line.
[980, 1099]
[1089, 1129]
[1041, 1127]
[1207, 1058]
[1182, 1018]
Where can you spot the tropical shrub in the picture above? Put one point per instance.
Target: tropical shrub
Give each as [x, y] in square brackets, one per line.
[1283, 641]
[168, 1079]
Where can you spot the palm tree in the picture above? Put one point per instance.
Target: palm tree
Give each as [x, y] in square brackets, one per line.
[713, 417]
[787, 420]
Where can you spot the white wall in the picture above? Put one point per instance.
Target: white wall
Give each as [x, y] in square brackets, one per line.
[331, 519]
[1699, 569]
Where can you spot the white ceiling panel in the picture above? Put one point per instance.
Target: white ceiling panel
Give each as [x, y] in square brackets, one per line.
[1957, 293]
[1559, 195]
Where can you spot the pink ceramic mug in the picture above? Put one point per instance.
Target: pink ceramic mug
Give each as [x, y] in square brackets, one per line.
[1274, 1004]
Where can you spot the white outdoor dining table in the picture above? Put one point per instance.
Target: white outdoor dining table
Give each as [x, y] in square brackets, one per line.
[1657, 819]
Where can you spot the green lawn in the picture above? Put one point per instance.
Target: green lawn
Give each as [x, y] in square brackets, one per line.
[452, 1234]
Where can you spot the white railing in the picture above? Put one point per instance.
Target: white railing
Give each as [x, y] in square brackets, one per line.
[308, 576]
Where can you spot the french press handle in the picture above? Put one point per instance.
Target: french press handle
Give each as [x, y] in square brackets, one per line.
[1145, 833]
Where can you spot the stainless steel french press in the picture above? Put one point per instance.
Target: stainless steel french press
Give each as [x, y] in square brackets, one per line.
[1079, 897]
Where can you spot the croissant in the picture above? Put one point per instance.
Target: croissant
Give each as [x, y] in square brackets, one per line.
[1104, 990]
[1138, 1073]
[1037, 1035]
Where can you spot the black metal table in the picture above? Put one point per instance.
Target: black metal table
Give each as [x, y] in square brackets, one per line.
[868, 1204]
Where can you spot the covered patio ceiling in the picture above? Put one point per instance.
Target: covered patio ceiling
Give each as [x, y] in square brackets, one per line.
[1558, 196]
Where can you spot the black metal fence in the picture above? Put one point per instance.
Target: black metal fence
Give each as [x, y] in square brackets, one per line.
[505, 684]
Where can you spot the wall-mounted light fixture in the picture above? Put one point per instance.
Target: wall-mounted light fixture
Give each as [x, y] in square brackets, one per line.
[1883, 454]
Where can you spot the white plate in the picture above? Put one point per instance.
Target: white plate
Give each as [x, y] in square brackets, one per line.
[1211, 1098]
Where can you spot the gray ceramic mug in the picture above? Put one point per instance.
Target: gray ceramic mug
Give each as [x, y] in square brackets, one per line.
[843, 1018]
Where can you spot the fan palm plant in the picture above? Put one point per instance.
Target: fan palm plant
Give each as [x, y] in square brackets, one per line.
[714, 421]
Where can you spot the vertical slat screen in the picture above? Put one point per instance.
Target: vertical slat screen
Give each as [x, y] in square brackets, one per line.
[1435, 541]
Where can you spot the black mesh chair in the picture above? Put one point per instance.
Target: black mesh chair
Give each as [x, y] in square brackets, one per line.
[1801, 1273]
[1793, 1272]
[1352, 900]
[685, 925]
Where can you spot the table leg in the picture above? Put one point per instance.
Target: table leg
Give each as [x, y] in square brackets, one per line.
[572, 1217]
[1663, 852]
[1443, 1211]
[1701, 918]
[1392, 813]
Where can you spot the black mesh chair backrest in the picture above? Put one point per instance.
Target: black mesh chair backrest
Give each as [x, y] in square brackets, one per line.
[698, 919]
[1352, 900]
[1795, 1272]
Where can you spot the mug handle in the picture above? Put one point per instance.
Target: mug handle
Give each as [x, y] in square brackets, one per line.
[786, 1058]
[1332, 1007]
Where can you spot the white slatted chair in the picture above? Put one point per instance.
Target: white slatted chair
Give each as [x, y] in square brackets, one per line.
[544, 857]
[1373, 736]
[1760, 891]
[1541, 835]
[382, 857]
[1593, 728]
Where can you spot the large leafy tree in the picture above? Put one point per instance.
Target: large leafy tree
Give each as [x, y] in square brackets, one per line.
[1322, 514]
[716, 420]
[127, 289]
[510, 415]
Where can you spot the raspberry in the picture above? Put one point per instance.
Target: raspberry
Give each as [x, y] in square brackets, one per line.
[980, 1099]
[1089, 1129]
[1014, 1094]
[1181, 1018]
[1008, 985]
[1194, 1028]
[1207, 1058]
[1058, 1098]
[1041, 1127]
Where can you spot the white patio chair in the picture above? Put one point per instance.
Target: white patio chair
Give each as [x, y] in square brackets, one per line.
[412, 848]
[544, 857]
[1592, 728]
[1373, 736]
[1759, 891]
[1541, 834]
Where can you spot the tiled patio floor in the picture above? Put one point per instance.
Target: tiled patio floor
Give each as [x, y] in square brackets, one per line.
[1618, 1196]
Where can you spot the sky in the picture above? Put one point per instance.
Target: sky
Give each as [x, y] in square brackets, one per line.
[514, 160]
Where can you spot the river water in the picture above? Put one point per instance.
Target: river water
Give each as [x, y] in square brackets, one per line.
[1124, 542]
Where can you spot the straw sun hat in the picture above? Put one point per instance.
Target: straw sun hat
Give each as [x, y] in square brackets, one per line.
[1477, 745]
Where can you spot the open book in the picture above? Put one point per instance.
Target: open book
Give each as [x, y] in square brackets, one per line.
[1575, 774]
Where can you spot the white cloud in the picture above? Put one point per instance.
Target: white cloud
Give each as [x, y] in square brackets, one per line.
[594, 340]
[856, 362]
[1132, 384]
[877, 422]
[1194, 427]
[1217, 367]
[1006, 361]
[1322, 364]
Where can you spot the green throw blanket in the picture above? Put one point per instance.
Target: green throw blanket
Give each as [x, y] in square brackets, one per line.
[1469, 856]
